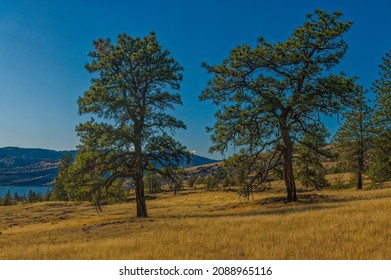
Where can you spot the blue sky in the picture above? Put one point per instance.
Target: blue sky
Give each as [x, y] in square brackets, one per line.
[44, 47]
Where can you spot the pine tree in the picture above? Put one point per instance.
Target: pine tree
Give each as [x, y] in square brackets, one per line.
[380, 168]
[16, 197]
[354, 139]
[134, 86]
[58, 191]
[191, 181]
[88, 180]
[153, 182]
[174, 180]
[31, 198]
[310, 153]
[211, 182]
[8, 199]
[270, 94]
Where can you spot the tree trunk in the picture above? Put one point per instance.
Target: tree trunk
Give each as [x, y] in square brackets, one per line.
[140, 198]
[139, 181]
[360, 156]
[360, 169]
[288, 167]
[307, 176]
[359, 180]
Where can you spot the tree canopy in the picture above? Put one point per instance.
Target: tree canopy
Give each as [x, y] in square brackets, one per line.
[273, 95]
[380, 169]
[58, 192]
[354, 138]
[135, 84]
[310, 154]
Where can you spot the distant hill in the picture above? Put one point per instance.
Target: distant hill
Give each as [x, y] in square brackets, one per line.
[39, 167]
[198, 160]
[29, 167]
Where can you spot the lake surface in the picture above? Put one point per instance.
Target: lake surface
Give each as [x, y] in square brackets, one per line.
[23, 190]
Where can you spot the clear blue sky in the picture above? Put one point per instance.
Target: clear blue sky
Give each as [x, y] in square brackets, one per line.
[44, 47]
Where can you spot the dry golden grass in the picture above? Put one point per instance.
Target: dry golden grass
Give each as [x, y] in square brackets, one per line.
[331, 224]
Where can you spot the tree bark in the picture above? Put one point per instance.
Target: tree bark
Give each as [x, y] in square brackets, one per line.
[139, 180]
[361, 155]
[360, 169]
[288, 166]
[359, 180]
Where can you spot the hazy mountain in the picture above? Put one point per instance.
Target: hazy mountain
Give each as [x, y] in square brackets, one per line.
[28, 167]
[39, 167]
[198, 160]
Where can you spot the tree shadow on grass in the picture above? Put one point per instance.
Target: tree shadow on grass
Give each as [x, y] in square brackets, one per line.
[305, 202]
[309, 198]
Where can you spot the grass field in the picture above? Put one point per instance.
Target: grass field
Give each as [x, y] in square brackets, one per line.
[328, 224]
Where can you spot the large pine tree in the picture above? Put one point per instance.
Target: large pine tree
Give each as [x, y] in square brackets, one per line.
[134, 86]
[271, 95]
[380, 169]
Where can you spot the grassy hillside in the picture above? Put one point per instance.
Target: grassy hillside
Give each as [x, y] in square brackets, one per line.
[331, 224]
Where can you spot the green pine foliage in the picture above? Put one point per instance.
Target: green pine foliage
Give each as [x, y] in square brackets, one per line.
[354, 139]
[191, 181]
[310, 153]
[8, 200]
[153, 182]
[135, 84]
[174, 179]
[380, 168]
[88, 180]
[58, 192]
[212, 182]
[271, 94]
[34, 197]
